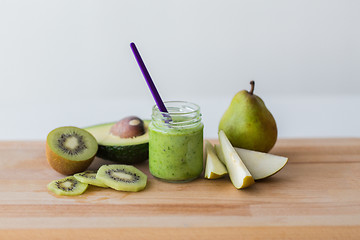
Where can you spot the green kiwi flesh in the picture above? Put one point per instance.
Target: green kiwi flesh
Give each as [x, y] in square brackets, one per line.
[68, 186]
[72, 143]
[122, 177]
[89, 177]
[70, 150]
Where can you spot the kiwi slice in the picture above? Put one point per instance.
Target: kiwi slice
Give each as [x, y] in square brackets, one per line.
[70, 150]
[122, 177]
[68, 186]
[89, 177]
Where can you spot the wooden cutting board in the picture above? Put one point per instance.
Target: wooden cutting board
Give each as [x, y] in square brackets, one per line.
[316, 196]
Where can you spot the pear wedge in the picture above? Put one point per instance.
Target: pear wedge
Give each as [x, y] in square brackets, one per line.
[261, 165]
[239, 174]
[214, 167]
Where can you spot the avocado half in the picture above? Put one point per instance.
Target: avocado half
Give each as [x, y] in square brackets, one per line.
[120, 150]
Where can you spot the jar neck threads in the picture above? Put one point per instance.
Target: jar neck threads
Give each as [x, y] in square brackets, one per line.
[180, 114]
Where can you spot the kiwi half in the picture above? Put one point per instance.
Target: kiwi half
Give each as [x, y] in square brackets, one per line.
[122, 177]
[68, 186]
[89, 177]
[70, 150]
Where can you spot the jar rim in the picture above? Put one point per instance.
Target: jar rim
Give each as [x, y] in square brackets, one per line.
[180, 114]
[195, 108]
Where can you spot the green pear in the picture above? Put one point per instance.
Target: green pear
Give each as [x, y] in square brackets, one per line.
[248, 123]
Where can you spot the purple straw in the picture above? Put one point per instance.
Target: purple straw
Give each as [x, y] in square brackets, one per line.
[148, 79]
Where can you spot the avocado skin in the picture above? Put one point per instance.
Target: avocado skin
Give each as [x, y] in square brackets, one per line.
[130, 154]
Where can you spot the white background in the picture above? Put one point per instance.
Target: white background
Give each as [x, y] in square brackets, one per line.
[69, 62]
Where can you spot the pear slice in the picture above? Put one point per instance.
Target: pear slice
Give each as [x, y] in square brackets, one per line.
[239, 174]
[261, 165]
[214, 167]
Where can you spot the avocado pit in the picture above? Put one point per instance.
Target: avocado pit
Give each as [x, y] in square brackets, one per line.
[128, 127]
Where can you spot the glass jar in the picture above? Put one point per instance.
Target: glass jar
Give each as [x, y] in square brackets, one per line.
[176, 142]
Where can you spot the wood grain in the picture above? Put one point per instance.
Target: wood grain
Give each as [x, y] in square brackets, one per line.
[315, 196]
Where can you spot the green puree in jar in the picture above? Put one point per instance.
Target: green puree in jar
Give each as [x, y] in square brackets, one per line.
[176, 153]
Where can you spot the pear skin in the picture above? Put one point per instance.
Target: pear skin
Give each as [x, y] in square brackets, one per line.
[248, 123]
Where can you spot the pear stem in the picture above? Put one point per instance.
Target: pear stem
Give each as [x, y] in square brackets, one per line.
[252, 83]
